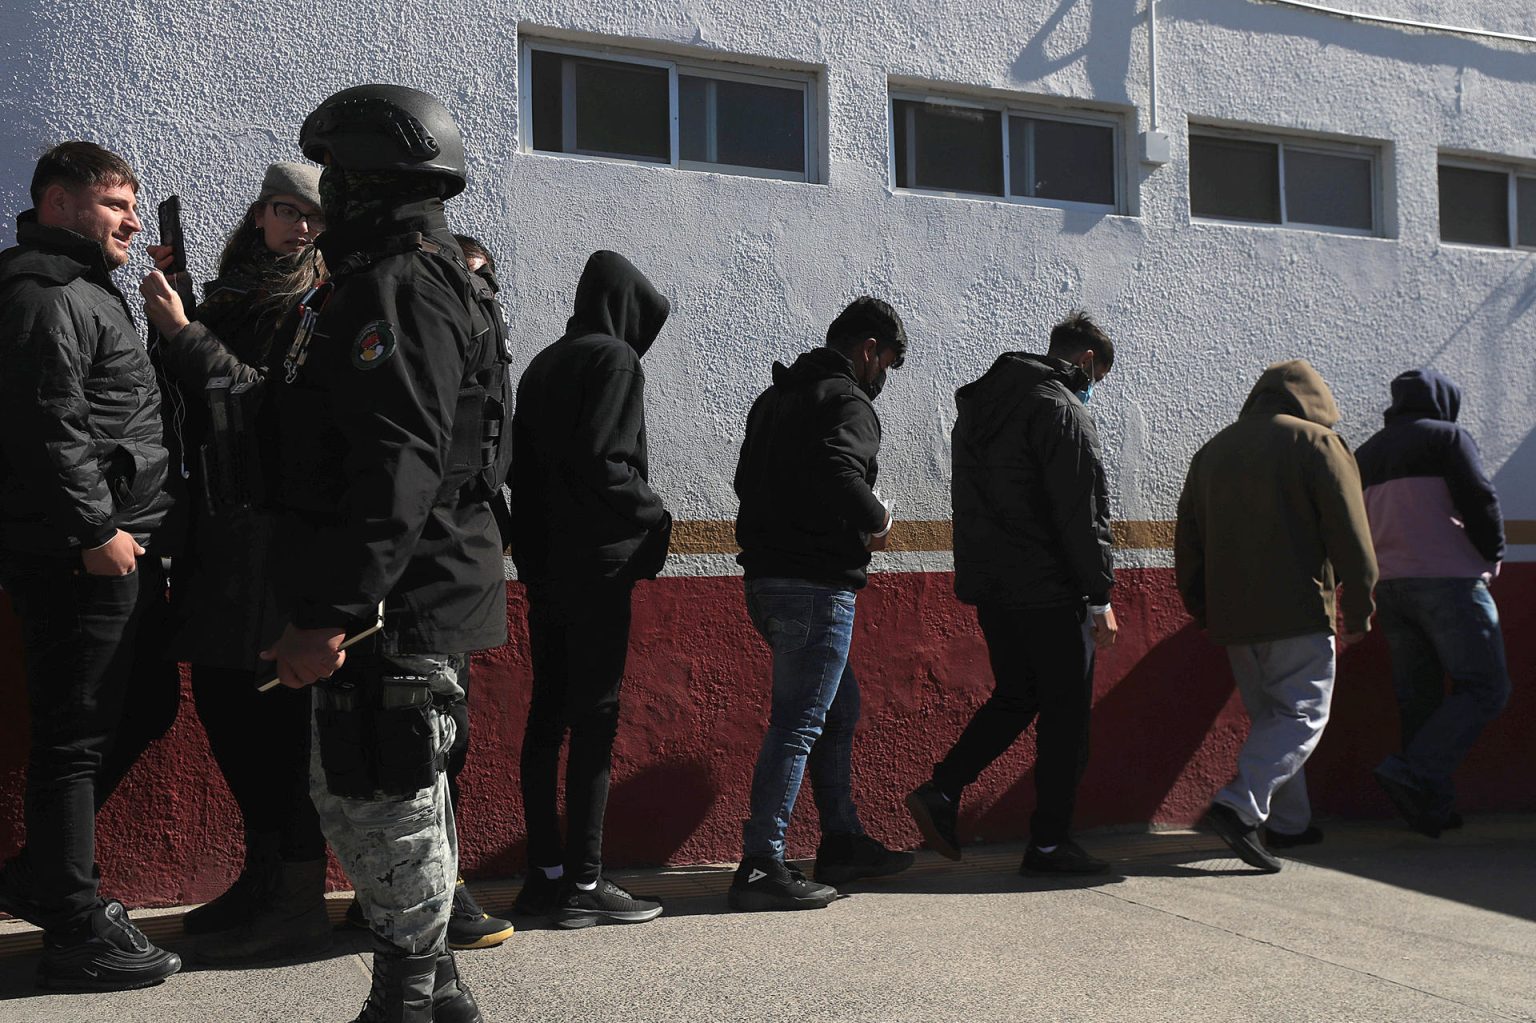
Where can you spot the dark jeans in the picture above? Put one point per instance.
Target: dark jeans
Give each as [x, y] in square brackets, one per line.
[1042, 664]
[154, 684]
[815, 708]
[578, 639]
[78, 632]
[1437, 628]
[261, 744]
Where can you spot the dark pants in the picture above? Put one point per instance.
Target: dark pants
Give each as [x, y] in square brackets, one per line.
[1042, 664]
[154, 684]
[458, 753]
[79, 633]
[578, 638]
[261, 744]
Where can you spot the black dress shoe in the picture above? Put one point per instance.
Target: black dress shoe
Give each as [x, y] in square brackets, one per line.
[935, 817]
[1242, 838]
[1067, 857]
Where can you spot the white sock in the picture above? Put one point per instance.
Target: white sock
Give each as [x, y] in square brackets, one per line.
[553, 873]
[587, 886]
[1046, 848]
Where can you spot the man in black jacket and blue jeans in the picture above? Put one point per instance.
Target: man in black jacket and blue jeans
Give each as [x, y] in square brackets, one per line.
[82, 465]
[1033, 553]
[809, 519]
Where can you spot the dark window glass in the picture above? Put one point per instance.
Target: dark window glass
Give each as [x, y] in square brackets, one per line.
[1328, 188]
[1233, 179]
[548, 109]
[1474, 206]
[1061, 160]
[741, 124]
[947, 148]
[1525, 208]
[621, 109]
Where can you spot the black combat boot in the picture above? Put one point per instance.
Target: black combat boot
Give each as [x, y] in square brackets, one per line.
[251, 890]
[451, 1000]
[402, 987]
[291, 924]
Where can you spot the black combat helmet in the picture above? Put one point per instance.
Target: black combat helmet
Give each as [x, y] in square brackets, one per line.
[386, 128]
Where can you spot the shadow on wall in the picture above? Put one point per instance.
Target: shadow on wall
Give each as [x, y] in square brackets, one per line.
[1105, 51]
[1516, 482]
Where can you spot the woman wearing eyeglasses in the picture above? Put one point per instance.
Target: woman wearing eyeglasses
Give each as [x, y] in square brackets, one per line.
[219, 592]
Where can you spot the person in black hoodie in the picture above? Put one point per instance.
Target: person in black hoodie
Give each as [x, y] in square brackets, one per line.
[1033, 554]
[809, 519]
[585, 526]
[82, 465]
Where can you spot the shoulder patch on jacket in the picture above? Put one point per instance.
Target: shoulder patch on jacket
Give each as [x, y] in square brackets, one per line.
[374, 345]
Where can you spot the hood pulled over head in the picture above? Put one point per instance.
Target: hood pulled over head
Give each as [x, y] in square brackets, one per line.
[1424, 394]
[1293, 388]
[615, 299]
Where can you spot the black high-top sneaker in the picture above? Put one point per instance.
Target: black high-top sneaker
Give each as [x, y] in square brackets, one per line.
[105, 952]
[841, 858]
[403, 987]
[451, 1000]
[764, 883]
[469, 926]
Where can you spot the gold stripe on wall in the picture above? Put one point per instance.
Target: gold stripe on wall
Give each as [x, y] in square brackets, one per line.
[1520, 531]
[718, 536]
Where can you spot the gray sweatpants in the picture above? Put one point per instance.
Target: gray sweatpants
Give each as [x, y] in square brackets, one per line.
[1287, 686]
[402, 853]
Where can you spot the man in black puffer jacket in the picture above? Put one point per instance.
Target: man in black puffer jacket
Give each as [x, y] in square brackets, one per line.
[82, 465]
[1032, 552]
[585, 526]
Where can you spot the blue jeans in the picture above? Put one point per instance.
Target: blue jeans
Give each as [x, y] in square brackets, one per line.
[1435, 628]
[815, 708]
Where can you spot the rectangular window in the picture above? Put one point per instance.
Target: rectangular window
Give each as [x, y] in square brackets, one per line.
[1283, 181]
[698, 117]
[978, 149]
[1487, 205]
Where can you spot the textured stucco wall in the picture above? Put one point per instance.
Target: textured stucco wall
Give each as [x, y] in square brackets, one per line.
[201, 98]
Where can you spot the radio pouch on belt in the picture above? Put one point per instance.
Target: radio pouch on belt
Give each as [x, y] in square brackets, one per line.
[376, 731]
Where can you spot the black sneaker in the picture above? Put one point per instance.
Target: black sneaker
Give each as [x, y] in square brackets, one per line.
[539, 895]
[355, 917]
[844, 858]
[607, 902]
[764, 883]
[1411, 802]
[935, 816]
[1066, 857]
[104, 953]
[469, 926]
[1243, 838]
[1291, 839]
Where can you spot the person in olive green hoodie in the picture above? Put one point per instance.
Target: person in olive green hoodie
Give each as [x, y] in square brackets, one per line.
[1271, 521]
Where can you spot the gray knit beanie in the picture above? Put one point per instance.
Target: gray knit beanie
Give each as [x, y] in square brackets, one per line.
[300, 180]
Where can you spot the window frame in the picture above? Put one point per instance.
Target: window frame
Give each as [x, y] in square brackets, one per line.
[1373, 152]
[1513, 172]
[1009, 108]
[805, 81]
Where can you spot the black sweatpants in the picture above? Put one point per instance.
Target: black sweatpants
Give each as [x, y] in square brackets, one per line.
[1042, 666]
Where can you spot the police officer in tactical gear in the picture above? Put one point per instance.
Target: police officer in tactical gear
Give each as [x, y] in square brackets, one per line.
[386, 406]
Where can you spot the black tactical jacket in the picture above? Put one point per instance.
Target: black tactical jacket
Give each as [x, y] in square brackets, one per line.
[81, 440]
[1030, 500]
[372, 442]
[805, 473]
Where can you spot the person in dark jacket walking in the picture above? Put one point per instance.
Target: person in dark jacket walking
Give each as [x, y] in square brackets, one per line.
[82, 465]
[809, 519]
[1033, 554]
[1439, 539]
[221, 608]
[586, 525]
[385, 406]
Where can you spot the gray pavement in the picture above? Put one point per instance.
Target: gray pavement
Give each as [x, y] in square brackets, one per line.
[1375, 924]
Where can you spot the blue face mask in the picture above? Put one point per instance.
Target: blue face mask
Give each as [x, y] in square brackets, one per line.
[1086, 394]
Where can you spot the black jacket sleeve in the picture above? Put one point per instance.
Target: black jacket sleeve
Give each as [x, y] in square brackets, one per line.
[396, 419]
[1474, 497]
[1073, 478]
[44, 414]
[195, 355]
[842, 464]
[606, 450]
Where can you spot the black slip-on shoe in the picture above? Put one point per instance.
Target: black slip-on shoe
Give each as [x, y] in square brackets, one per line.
[1067, 857]
[607, 903]
[841, 858]
[764, 884]
[1289, 840]
[469, 926]
[103, 953]
[1242, 838]
[936, 817]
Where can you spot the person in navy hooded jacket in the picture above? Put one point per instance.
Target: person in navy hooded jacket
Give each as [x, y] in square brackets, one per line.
[1439, 540]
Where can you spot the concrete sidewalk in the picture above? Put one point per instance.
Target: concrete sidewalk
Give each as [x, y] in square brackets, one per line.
[1375, 924]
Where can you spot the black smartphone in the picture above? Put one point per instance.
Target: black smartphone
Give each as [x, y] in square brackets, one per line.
[170, 234]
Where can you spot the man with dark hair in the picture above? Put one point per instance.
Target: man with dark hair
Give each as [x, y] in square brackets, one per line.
[809, 519]
[387, 401]
[1033, 554]
[1271, 523]
[586, 526]
[81, 470]
[1439, 538]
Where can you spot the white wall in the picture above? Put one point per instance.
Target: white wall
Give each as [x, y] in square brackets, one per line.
[200, 97]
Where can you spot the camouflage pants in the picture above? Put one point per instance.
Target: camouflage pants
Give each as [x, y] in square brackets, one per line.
[401, 852]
